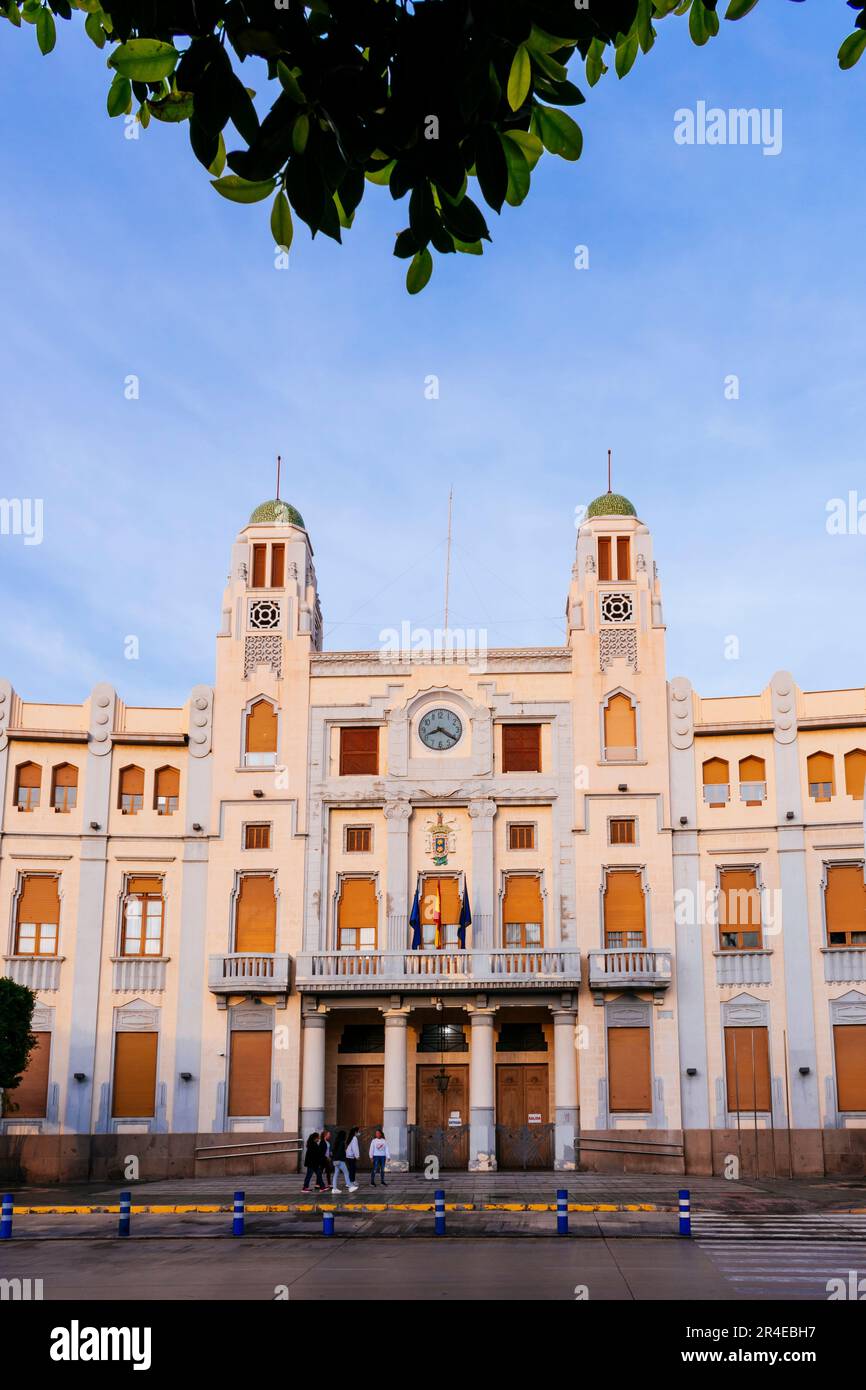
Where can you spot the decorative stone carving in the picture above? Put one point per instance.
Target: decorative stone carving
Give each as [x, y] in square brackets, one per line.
[784, 697]
[641, 562]
[137, 1017]
[590, 564]
[102, 707]
[263, 650]
[617, 644]
[680, 704]
[243, 572]
[397, 810]
[482, 809]
[616, 608]
[850, 1008]
[200, 721]
[264, 614]
[5, 711]
[745, 1011]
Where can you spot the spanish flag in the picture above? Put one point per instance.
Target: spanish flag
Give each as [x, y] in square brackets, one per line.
[436, 914]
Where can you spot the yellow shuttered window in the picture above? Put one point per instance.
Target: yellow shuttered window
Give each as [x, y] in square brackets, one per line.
[855, 773]
[134, 1091]
[629, 1070]
[131, 790]
[260, 748]
[624, 910]
[620, 729]
[256, 914]
[845, 905]
[739, 910]
[716, 780]
[166, 790]
[523, 911]
[38, 916]
[850, 1047]
[821, 776]
[357, 915]
[753, 781]
[250, 1073]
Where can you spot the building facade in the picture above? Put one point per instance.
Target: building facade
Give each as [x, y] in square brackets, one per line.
[525, 908]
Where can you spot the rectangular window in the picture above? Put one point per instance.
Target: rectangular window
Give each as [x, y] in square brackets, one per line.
[850, 1047]
[38, 916]
[629, 1070]
[260, 566]
[747, 1067]
[521, 748]
[359, 839]
[623, 557]
[278, 566]
[521, 836]
[845, 905]
[250, 1072]
[522, 911]
[624, 910]
[142, 918]
[442, 895]
[134, 1090]
[256, 926]
[30, 1096]
[622, 831]
[739, 910]
[357, 915]
[359, 752]
[605, 568]
[257, 837]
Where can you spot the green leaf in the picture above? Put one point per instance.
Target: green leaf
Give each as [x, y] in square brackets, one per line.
[529, 145]
[94, 30]
[282, 228]
[144, 60]
[219, 160]
[46, 30]
[852, 49]
[119, 96]
[559, 133]
[420, 270]
[239, 190]
[595, 64]
[541, 42]
[177, 106]
[519, 77]
[469, 248]
[738, 8]
[703, 23]
[289, 82]
[626, 53]
[144, 115]
[13, 14]
[380, 176]
[518, 173]
[300, 132]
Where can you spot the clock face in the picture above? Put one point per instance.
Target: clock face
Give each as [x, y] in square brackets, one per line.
[440, 729]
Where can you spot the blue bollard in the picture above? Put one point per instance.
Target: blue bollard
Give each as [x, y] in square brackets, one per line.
[562, 1212]
[439, 1208]
[685, 1213]
[327, 1223]
[125, 1209]
[238, 1218]
[6, 1218]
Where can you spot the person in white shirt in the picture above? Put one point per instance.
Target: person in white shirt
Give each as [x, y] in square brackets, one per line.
[379, 1152]
[353, 1152]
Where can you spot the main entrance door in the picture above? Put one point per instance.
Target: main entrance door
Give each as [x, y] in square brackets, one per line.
[442, 1129]
[360, 1098]
[523, 1137]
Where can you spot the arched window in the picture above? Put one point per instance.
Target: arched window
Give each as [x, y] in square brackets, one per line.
[64, 787]
[166, 790]
[753, 781]
[855, 773]
[28, 780]
[620, 729]
[260, 735]
[717, 782]
[819, 771]
[131, 790]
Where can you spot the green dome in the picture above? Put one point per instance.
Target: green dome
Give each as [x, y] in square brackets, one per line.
[610, 504]
[279, 512]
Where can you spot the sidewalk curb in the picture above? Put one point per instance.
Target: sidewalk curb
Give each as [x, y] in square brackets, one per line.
[308, 1208]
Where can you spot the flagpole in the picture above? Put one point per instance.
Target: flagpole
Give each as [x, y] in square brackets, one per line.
[448, 557]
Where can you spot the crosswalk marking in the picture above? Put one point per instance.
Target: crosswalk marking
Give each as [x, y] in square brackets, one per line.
[787, 1257]
[814, 1227]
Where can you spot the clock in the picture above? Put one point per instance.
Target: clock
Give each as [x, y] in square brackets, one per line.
[440, 729]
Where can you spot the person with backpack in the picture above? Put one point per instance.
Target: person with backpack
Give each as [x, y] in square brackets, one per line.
[313, 1163]
[353, 1152]
[340, 1166]
[379, 1153]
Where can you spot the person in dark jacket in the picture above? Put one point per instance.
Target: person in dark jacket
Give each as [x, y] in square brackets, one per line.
[340, 1165]
[313, 1157]
[327, 1156]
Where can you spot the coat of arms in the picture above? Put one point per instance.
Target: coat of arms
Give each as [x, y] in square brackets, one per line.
[441, 840]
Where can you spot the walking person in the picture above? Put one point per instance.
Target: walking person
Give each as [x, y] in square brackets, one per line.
[327, 1157]
[340, 1165]
[313, 1163]
[353, 1153]
[379, 1152]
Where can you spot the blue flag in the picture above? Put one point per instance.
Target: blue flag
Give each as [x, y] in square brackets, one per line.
[465, 919]
[415, 922]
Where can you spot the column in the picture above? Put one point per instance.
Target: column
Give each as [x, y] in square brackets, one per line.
[483, 896]
[396, 1114]
[482, 1112]
[313, 1073]
[564, 1089]
[397, 817]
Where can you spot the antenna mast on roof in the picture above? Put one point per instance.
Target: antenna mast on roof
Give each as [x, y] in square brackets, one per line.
[608, 470]
[279, 462]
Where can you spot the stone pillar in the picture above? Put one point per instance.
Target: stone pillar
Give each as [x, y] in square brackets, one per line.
[482, 1112]
[313, 1073]
[397, 817]
[396, 1113]
[564, 1089]
[483, 896]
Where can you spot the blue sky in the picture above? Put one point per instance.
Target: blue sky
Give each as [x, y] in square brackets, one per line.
[704, 261]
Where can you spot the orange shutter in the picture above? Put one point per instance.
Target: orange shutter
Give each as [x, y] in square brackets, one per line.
[855, 773]
[845, 898]
[523, 901]
[359, 752]
[257, 914]
[29, 775]
[168, 782]
[30, 1098]
[747, 1066]
[629, 1070]
[250, 1073]
[521, 748]
[624, 902]
[850, 1044]
[39, 900]
[739, 899]
[449, 894]
[134, 1075]
[278, 566]
[820, 766]
[753, 770]
[66, 775]
[145, 885]
[262, 728]
[604, 565]
[620, 723]
[358, 906]
[260, 560]
[132, 781]
[623, 557]
[715, 772]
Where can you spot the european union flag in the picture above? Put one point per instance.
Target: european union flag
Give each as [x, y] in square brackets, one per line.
[415, 922]
[465, 920]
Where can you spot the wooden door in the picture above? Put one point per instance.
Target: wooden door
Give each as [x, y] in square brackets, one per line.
[442, 1127]
[523, 1132]
[850, 1045]
[30, 1097]
[360, 1101]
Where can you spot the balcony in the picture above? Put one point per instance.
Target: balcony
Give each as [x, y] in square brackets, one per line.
[249, 972]
[39, 973]
[320, 972]
[630, 968]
